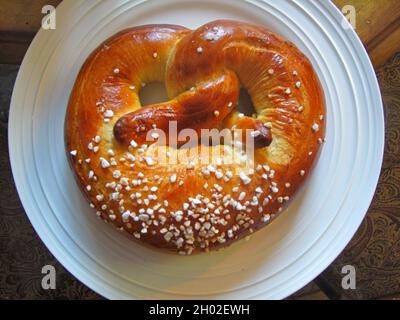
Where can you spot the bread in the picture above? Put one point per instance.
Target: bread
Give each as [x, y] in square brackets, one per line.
[197, 202]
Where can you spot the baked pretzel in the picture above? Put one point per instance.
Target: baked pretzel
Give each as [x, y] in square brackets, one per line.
[193, 205]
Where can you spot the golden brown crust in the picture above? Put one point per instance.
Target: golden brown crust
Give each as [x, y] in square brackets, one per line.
[193, 205]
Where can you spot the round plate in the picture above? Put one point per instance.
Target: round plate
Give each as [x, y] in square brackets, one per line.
[276, 261]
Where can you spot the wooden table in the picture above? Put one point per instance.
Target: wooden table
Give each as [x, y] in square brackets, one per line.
[374, 250]
[377, 23]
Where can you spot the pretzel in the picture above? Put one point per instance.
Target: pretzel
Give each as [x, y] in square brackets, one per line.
[198, 202]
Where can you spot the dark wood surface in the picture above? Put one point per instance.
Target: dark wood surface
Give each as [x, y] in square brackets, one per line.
[377, 23]
[374, 250]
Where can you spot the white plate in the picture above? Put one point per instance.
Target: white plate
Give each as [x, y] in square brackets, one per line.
[276, 261]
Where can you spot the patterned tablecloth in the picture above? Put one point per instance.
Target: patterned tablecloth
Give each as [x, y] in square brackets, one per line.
[374, 250]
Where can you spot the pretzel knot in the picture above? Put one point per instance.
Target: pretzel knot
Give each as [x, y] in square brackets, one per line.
[192, 206]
